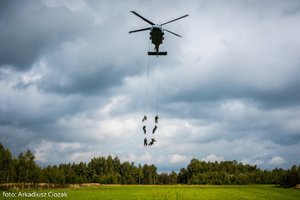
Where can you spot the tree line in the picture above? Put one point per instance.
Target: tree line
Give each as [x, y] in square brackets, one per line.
[109, 170]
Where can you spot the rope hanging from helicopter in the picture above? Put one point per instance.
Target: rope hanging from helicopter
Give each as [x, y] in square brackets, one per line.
[147, 102]
[158, 85]
[144, 120]
[147, 85]
[156, 37]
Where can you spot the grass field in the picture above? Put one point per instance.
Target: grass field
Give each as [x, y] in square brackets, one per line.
[179, 192]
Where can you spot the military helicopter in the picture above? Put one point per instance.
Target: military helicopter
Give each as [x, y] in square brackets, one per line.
[156, 33]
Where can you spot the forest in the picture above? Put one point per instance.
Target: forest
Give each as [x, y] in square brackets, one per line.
[109, 170]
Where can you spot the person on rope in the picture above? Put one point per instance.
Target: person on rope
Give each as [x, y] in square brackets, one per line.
[144, 129]
[145, 118]
[156, 119]
[145, 142]
[152, 142]
[154, 129]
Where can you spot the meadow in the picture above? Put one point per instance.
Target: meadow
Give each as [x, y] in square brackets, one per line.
[156, 192]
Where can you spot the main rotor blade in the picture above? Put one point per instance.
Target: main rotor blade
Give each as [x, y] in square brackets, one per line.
[172, 33]
[143, 18]
[174, 20]
[144, 29]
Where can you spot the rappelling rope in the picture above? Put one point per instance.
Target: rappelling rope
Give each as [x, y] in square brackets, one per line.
[147, 94]
[147, 84]
[145, 123]
[158, 86]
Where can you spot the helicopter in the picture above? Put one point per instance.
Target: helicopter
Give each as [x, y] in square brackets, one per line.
[156, 33]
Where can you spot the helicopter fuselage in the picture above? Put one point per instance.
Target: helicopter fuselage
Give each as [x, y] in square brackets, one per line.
[156, 33]
[156, 36]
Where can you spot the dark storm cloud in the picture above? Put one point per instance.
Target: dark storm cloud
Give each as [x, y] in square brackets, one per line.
[220, 90]
[30, 29]
[86, 84]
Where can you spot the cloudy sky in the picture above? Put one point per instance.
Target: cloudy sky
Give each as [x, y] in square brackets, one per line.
[73, 81]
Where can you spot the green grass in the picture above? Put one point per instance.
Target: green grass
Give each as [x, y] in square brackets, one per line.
[179, 192]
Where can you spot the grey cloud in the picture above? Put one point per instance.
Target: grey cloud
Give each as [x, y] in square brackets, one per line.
[293, 8]
[30, 29]
[221, 90]
[87, 83]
